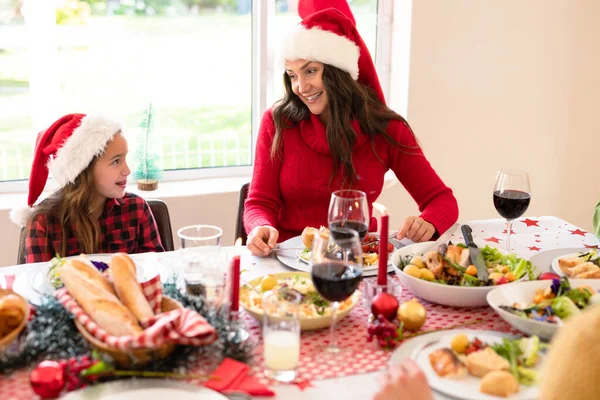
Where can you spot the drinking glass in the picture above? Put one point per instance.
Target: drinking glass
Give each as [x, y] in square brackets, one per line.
[281, 334]
[349, 209]
[512, 195]
[336, 270]
[203, 261]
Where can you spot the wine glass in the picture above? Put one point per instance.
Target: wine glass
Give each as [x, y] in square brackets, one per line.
[349, 209]
[512, 195]
[336, 270]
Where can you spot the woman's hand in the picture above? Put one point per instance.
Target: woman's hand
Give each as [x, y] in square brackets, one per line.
[261, 240]
[416, 229]
[404, 381]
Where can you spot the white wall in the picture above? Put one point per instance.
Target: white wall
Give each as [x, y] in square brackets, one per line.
[495, 83]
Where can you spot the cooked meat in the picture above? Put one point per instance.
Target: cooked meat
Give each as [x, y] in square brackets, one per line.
[434, 263]
[587, 270]
[566, 263]
[445, 363]
[483, 361]
[454, 253]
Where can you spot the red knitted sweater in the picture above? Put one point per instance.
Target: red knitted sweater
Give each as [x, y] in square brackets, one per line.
[292, 191]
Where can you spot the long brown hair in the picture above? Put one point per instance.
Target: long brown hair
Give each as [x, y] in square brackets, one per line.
[72, 206]
[348, 100]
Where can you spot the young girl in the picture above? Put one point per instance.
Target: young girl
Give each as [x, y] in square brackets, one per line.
[332, 130]
[90, 212]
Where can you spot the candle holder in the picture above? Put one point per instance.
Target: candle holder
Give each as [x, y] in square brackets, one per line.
[237, 332]
[371, 289]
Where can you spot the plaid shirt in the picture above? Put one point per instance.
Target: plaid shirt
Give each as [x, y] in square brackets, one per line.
[127, 225]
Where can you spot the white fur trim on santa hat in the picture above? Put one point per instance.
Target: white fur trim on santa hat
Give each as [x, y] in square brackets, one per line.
[20, 215]
[88, 140]
[323, 46]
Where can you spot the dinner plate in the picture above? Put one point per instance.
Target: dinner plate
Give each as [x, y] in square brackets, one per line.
[147, 389]
[555, 267]
[291, 259]
[543, 260]
[306, 324]
[468, 387]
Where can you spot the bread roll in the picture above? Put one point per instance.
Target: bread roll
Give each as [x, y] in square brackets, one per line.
[87, 270]
[128, 288]
[499, 383]
[98, 303]
[308, 236]
[13, 310]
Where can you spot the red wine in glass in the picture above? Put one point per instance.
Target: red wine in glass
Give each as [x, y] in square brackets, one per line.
[511, 204]
[336, 281]
[357, 226]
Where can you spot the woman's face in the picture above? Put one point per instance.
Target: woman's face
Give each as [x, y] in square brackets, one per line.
[307, 83]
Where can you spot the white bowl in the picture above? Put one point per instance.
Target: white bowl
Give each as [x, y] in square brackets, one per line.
[523, 293]
[455, 296]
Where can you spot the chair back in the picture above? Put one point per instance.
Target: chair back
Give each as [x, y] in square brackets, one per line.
[240, 231]
[163, 222]
[21, 252]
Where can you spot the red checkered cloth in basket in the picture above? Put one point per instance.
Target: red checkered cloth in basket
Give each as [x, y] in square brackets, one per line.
[180, 326]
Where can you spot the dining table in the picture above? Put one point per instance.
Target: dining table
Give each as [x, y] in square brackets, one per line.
[539, 239]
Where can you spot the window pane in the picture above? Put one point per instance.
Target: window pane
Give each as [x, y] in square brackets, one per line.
[118, 56]
[286, 18]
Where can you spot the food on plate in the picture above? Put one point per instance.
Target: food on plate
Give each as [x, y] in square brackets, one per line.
[308, 236]
[57, 262]
[548, 276]
[13, 310]
[129, 290]
[502, 366]
[499, 383]
[451, 265]
[96, 296]
[446, 364]
[559, 301]
[267, 283]
[583, 265]
[312, 305]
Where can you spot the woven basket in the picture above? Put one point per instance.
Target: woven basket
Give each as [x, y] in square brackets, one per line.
[6, 341]
[135, 357]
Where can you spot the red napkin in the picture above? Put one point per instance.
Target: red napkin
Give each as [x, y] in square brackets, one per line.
[233, 377]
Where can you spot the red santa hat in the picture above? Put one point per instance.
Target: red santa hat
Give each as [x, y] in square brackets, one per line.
[64, 150]
[328, 34]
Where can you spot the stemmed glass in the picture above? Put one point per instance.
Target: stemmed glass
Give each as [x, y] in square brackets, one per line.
[336, 270]
[512, 195]
[349, 209]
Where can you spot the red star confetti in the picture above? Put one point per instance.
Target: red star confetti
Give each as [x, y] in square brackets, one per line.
[304, 385]
[534, 248]
[530, 222]
[591, 246]
[511, 231]
[578, 232]
[492, 239]
[538, 241]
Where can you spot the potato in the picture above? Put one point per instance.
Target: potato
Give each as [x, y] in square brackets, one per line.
[418, 261]
[459, 343]
[427, 274]
[267, 283]
[412, 270]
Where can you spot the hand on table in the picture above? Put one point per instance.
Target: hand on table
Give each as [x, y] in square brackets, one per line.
[261, 240]
[404, 382]
[416, 229]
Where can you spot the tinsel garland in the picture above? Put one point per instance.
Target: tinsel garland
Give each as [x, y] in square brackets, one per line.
[52, 335]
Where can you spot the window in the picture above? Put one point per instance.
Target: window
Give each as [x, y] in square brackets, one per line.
[193, 60]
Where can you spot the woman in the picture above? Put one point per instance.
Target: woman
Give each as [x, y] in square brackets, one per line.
[332, 130]
[596, 220]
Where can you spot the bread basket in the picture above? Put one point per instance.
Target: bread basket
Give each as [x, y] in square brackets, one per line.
[135, 357]
[6, 340]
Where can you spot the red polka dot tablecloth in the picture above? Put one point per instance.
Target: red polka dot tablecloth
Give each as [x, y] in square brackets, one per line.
[530, 236]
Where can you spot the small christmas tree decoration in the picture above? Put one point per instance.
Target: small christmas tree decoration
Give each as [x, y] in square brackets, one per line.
[148, 170]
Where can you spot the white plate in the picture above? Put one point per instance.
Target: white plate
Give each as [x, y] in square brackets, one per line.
[543, 260]
[523, 293]
[2, 282]
[454, 296]
[468, 387]
[554, 266]
[290, 257]
[147, 389]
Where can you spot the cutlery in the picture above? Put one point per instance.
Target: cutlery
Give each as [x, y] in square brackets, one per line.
[443, 239]
[475, 253]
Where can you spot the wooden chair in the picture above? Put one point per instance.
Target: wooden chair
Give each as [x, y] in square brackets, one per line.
[240, 231]
[161, 216]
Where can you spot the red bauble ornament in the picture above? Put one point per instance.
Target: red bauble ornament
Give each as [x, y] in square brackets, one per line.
[47, 379]
[385, 304]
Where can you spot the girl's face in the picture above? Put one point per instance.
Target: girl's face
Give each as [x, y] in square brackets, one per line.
[111, 170]
[307, 83]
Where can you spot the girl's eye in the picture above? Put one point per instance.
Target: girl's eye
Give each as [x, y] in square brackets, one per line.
[312, 71]
[292, 77]
[115, 162]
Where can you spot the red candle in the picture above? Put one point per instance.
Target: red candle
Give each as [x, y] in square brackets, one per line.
[235, 283]
[383, 253]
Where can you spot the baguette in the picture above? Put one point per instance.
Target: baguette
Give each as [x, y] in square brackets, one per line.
[98, 303]
[128, 288]
[13, 310]
[90, 273]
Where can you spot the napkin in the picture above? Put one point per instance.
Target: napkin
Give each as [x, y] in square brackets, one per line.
[233, 377]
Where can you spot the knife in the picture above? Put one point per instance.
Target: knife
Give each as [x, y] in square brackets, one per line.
[475, 253]
[443, 239]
